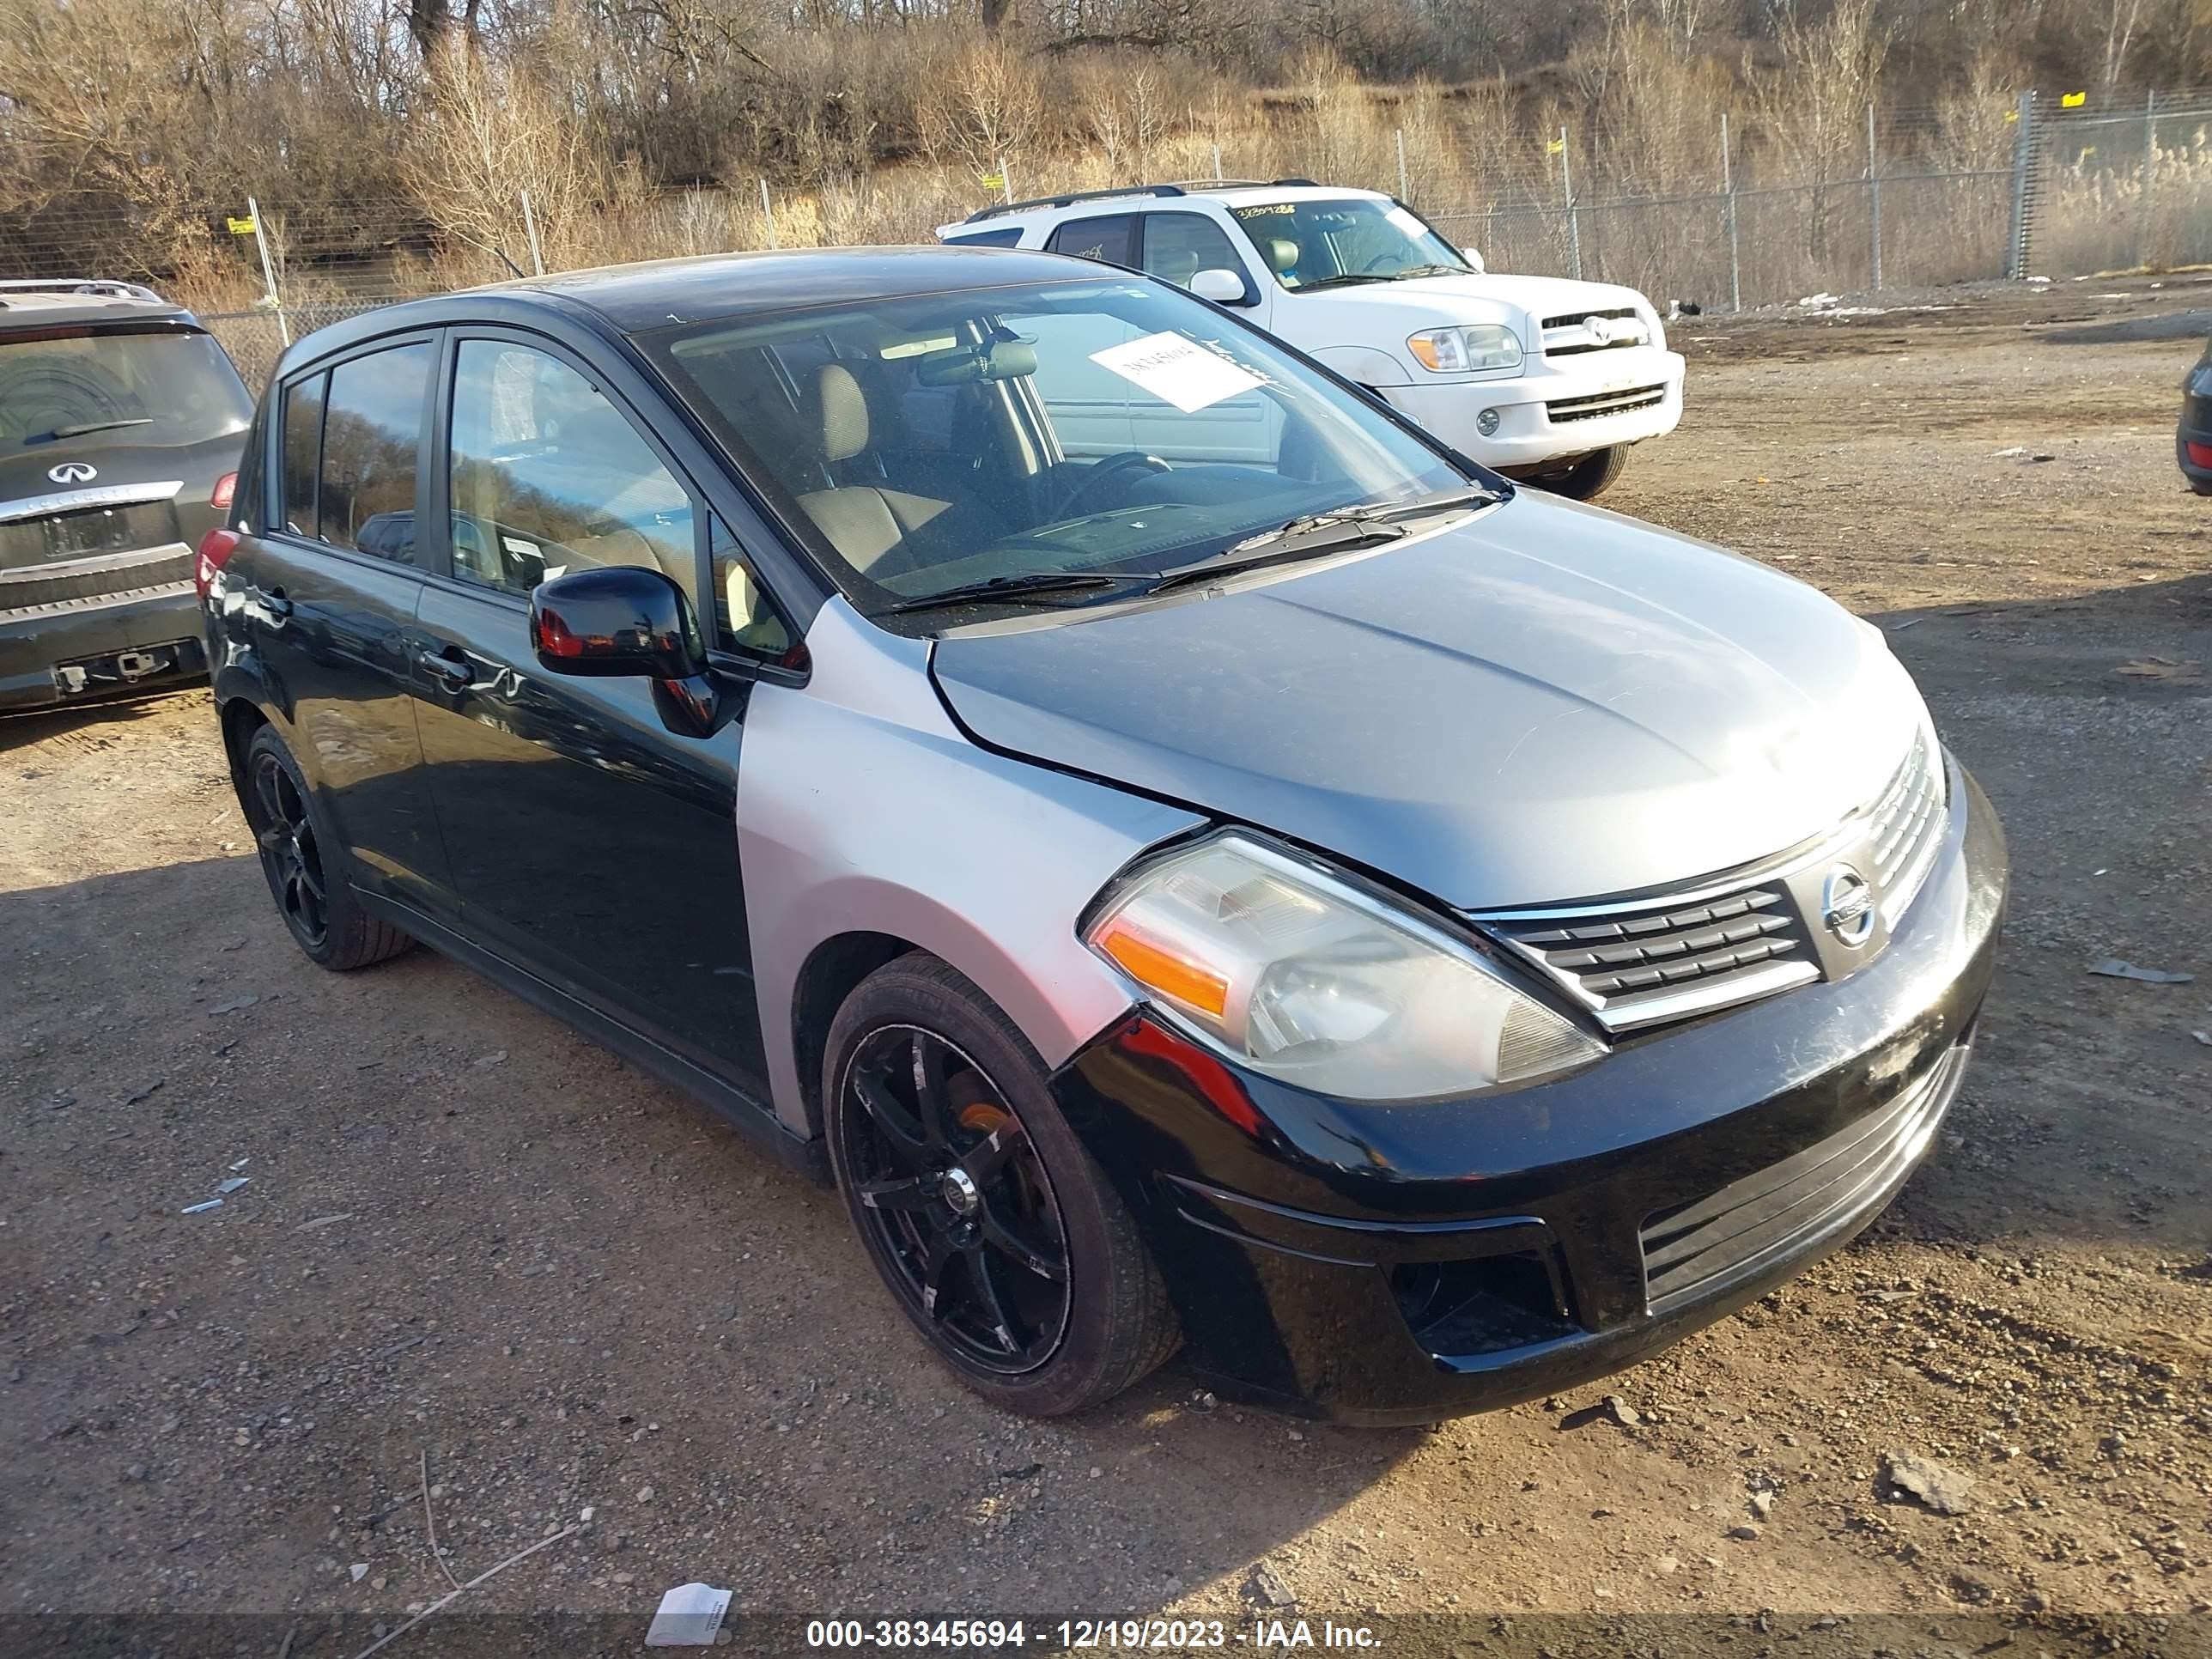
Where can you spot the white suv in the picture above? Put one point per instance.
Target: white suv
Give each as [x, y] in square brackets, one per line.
[1541, 378]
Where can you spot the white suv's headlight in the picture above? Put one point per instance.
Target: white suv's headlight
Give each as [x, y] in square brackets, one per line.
[1463, 350]
[1311, 978]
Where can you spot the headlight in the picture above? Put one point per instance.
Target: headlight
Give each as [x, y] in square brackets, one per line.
[1459, 351]
[1307, 978]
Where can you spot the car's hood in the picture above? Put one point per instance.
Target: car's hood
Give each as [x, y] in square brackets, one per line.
[1543, 703]
[1429, 301]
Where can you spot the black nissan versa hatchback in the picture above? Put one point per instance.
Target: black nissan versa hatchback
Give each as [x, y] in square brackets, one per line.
[1196, 862]
[120, 420]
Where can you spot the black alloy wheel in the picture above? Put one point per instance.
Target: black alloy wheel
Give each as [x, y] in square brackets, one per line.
[290, 855]
[954, 1200]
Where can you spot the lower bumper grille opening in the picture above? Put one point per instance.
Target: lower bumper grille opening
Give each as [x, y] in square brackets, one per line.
[1483, 1307]
[1695, 1248]
[1561, 409]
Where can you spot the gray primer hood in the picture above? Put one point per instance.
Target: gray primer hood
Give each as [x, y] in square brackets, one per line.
[1543, 703]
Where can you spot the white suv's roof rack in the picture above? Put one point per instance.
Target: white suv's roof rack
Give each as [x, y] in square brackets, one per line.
[92, 286]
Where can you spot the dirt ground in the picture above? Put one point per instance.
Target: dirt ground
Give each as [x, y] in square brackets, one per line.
[472, 1234]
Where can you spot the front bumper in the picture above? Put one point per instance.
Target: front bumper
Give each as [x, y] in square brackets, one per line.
[76, 650]
[1554, 410]
[1400, 1264]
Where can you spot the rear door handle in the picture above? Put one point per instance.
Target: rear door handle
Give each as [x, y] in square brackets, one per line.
[274, 602]
[449, 667]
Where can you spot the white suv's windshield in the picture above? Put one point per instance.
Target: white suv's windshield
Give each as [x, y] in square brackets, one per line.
[1325, 244]
[1059, 437]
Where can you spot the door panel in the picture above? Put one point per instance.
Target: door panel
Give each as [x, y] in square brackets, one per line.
[588, 844]
[335, 629]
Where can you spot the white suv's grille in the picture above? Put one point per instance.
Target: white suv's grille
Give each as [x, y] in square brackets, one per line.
[1595, 331]
[1563, 410]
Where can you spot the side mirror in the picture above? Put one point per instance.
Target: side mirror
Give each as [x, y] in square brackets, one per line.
[627, 620]
[1223, 287]
[1473, 256]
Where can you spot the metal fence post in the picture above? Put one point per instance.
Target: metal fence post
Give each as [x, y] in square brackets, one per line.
[1728, 200]
[767, 213]
[1005, 181]
[1873, 200]
[1216, 164]
[268, 271]
[1404, 192]
[2023, 161]
[530, 230]
[2150, 177]
[1574, 219]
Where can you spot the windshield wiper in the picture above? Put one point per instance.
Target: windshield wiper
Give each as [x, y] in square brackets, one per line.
[1431, 270]
[83, 427]
[1308, 537]
[1345, 280]
[1443, 501]
[1033, 586]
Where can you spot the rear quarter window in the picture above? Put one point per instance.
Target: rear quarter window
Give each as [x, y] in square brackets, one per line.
[1009, 237]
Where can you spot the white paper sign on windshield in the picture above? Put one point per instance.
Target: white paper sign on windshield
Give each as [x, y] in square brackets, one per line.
[1177, 371]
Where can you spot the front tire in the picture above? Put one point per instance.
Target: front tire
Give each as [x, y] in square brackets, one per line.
[306, 867]
[1588, 477]
[998, 1236]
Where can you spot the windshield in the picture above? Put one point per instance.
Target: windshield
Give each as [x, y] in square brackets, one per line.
[1316, 244]
[92, 389]
[1095, 427]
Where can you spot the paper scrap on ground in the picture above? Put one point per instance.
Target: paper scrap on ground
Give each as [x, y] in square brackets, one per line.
[1177, 371]
[690, 1615]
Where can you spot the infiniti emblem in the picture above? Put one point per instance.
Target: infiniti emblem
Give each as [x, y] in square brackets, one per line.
[73, 472]
[1847, 905]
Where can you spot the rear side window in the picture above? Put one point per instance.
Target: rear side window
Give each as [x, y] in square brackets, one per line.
[1111, 239]
[372, 436]
[1011, 237]
[1178, 246]
[303, 446]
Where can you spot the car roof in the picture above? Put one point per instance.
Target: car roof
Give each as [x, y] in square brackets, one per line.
[663, 292]
[657, 293]
[1098, 204]
[72, 302]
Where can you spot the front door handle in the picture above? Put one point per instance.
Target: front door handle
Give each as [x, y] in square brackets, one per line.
[274, 602]
[450, 668]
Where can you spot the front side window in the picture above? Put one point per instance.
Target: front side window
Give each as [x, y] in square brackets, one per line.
[1104, 428]
[92, 388]
[746, 620]
[1178, 246]
[549, 477]
[372, 436]
[1329, 244]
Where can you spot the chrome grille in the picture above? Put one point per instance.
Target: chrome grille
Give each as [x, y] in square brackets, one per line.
[1640, 961]
[1631, 965]
[1904, 828]
[1571, 334]
[1591, 408]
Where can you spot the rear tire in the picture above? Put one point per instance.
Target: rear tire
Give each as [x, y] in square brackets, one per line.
[1588, 477]
[305, 866]
[1001, 1239]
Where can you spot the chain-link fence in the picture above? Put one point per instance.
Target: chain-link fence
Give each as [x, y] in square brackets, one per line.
[1745, 212]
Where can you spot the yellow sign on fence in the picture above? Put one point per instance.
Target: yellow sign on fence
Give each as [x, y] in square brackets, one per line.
[992, 181]
[243, 227]
[1555, 147]
[2072, 100]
